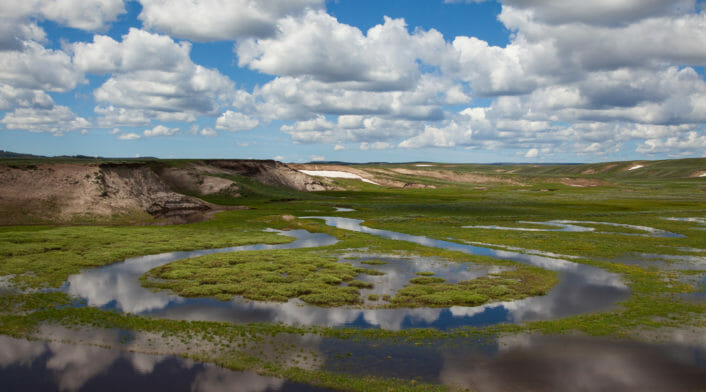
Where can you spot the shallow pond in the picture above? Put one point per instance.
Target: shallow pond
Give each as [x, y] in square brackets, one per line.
[581, 289]
[518, 362]
[530, 363]
[41, 366]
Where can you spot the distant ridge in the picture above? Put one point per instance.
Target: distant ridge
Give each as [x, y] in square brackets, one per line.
[10, 154]
[16, 155]
[450, 163]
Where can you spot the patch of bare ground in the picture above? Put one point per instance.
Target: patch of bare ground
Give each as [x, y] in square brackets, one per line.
[45, 191]
[387, 178]
[67, 193]
[378, 176]
[463, 177]
[136, 192]
[583, 182]
[130, 186]
[272, 173]
[698, 174]
[197, 180]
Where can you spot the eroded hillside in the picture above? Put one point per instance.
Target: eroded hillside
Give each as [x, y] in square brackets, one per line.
[176, 191]
[132, 191]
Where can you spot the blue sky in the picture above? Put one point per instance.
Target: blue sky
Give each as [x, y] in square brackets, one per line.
[355, 80]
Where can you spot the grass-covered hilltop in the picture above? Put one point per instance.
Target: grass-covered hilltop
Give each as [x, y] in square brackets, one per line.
[425, 260]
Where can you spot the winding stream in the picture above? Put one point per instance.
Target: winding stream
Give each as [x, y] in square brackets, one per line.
[581, 226]
[581, 289]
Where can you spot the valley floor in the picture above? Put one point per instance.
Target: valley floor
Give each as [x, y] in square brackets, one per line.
[494, 278]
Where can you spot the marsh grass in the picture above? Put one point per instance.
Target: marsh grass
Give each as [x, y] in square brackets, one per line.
[525, 281]
[44, 256]
[278, 276]
[360, 284]
[320, 278]
[373, 262]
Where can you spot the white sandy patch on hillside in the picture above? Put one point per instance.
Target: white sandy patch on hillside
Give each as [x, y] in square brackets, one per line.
[636, 167]
[336, 174]
[423, 165]
[703, 175]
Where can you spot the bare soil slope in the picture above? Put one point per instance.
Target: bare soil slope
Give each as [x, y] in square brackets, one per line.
[378, 176]
[71, 192]
[136, 192]
[271, 173]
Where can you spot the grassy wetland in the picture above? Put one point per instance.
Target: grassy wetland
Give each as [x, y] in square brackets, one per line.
[659, 270]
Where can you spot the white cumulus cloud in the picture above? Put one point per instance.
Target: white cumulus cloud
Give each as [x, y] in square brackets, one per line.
[689, 143]
[532, 153]
[212, 20]
[208, 132]
[319, 46]
[154, 75]
[36, 67]
[128, 136]
[160, 130]
[57, 120]
[236, 121]
[81, 14]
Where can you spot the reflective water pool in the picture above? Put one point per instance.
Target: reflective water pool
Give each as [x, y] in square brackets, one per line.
[581, 289]
[530, 363]
[41, 366]
[508, 363]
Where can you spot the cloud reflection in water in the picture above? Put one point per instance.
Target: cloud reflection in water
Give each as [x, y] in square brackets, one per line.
[71, 368]
[582, 289]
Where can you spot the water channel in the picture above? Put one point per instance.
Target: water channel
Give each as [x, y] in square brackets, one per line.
[516, 362]
[583, 226]
[581, 289]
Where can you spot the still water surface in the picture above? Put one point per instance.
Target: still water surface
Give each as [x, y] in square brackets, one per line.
[512, 363]
[525, 362]
[41, 366]
[581, 289]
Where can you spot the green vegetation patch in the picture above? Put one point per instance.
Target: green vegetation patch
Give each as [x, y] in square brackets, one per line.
[525, 281]
[373, 262]
[360, 284]
[274, 275]
[42, 256]
[371, 272]
[426, 280]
